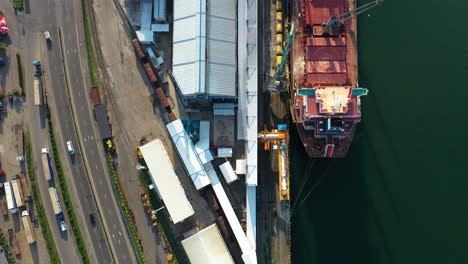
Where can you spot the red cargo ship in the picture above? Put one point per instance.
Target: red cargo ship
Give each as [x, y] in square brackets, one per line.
[324, 91]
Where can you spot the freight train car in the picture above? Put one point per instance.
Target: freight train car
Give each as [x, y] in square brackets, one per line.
[162, 98]
[172, 116]
[139, 52]
[150, 72]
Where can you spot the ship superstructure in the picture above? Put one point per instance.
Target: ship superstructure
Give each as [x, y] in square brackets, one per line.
[324, 93]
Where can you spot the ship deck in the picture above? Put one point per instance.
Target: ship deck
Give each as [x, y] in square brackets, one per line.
[323, 61]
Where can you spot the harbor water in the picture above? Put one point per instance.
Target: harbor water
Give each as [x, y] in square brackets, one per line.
[401, 194]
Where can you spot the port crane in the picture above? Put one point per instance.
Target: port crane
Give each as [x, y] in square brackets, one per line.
[279, 137]
[280, 73]
[332, 26]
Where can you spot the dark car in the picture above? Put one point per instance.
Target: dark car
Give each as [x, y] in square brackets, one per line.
[92, 219]
[10, 99]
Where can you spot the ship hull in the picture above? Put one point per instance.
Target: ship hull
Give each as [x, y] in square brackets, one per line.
[324, 103]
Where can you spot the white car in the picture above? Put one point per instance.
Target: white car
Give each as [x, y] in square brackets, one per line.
[63, 226]
[70, 148]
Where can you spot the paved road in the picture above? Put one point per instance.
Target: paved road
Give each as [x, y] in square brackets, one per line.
[74, 50]
[42, 18]
[67, 15]
[30, 42]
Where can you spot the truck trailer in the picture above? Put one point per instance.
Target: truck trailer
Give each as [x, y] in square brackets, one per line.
[30, 237]
[18, 193]
[37, 92]
[47, 165]
[11, 205]
[56, 203]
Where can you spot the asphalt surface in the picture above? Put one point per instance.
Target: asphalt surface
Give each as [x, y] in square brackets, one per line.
[67, 16]
[30, 41]
[75, 58]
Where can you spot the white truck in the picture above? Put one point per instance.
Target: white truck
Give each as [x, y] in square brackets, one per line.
[10, 198]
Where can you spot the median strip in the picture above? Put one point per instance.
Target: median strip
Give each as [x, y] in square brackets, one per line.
[44, 223]
[66, 195]
[89, 46]
[123, 204]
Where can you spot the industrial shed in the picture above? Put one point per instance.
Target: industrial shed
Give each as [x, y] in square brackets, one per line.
[207, 247]
[188, 154]
[204, 50]
[166, 180]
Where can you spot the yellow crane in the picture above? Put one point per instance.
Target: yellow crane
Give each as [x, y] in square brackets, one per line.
[280, 138]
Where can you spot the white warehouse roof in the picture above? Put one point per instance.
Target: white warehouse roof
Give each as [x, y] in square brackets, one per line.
[189, 45]
[188, 154]
[166, 180]
[221, 48]
[207, 247]
[200, 26]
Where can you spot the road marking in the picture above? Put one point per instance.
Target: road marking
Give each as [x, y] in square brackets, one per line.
[109, 211]
[113, 236]
[100, 181]
[120, 234]
[105, 196]
[84, 139]
[118, 241]
[92, 138]
[113, 225]
[79, 94]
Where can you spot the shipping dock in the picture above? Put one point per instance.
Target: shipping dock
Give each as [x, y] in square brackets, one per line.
[325, 95]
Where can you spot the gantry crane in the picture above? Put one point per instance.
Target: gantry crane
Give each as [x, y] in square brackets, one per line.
[279, 137]
[333, 25]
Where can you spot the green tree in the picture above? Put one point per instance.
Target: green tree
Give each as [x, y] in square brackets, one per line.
[3, 47]
[16, 93]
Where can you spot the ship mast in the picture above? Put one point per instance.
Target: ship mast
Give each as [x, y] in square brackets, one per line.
[332, 26]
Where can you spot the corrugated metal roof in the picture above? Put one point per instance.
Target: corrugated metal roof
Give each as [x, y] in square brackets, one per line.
[159, 10]
[187, 152]
[163, 176]
[223, 109]
[189, 45]
[207, 246]
[221, 48]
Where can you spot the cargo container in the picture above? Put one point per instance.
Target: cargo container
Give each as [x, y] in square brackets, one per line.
[47, 165]
[56, 203]
[162, 98]
[11, 205]
[150, 72]
[138, 50]
[37, 92]
[30, 237]
[18, 193]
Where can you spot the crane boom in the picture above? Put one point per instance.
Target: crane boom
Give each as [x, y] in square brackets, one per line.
[335, 22]
[280, 72]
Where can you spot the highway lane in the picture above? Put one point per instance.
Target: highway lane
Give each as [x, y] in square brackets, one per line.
[75, 58]
[64, 242]
[47, 17]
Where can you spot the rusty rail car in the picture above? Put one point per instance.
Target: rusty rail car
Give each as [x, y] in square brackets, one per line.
[139, 52]
[150, 72]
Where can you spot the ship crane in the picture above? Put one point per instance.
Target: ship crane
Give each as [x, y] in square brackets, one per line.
[279, 137]
[335, 22]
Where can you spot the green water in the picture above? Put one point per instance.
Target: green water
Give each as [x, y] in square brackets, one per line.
[401, 195]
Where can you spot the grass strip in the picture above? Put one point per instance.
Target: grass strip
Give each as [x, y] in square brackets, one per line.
[89, 46]
[6, 249]
[66, 195]
[123, 204]
[20, 72]
[46, 232]
[164, 223]
[19, 4]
